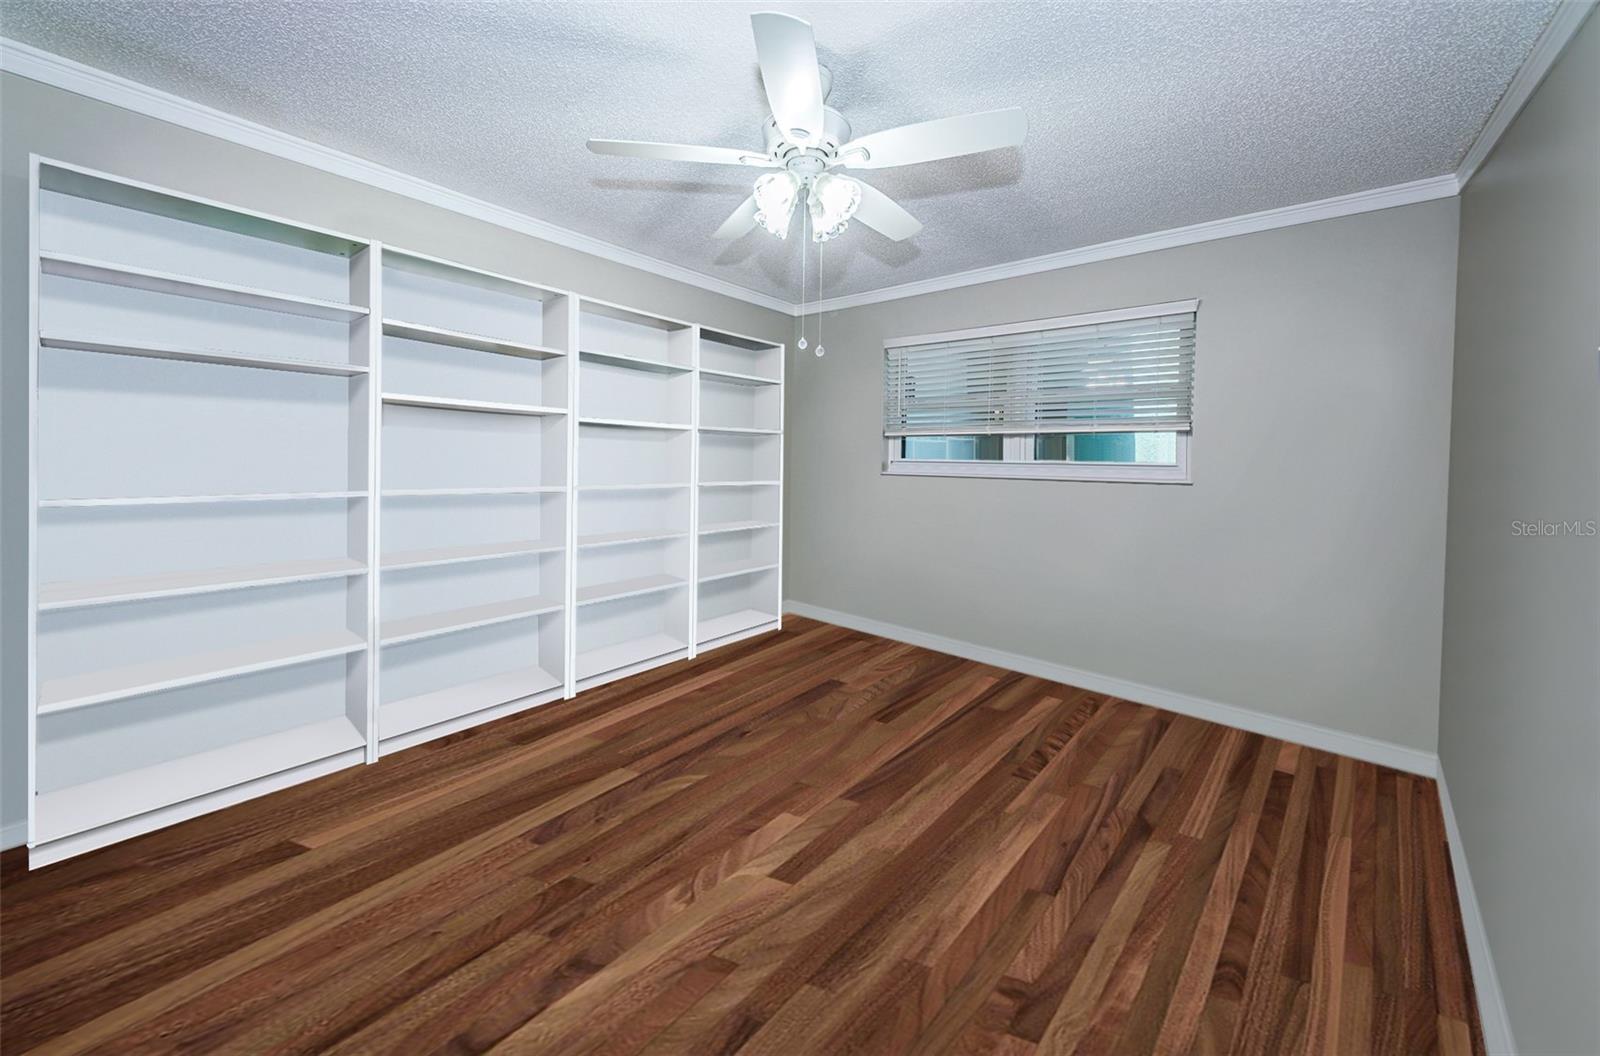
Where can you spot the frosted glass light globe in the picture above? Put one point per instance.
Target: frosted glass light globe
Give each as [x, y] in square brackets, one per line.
[833, 201]
[775, 196]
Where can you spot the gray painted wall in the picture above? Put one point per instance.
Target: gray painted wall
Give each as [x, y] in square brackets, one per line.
[1300, 575]
[1519, 718]
[61, 125]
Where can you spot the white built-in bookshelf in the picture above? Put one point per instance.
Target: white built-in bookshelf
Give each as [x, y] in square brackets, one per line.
[739, 525]
[635, 522]
[473, 527]
[299, 499]
[202, 453]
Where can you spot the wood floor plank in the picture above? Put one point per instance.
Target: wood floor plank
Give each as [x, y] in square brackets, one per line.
[1077, 1008]
[811, 841]
[1187, 997]
[1266, 1003]
[1332, 919]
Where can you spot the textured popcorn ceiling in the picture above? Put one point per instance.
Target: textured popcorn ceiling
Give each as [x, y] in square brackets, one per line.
[1141, 116]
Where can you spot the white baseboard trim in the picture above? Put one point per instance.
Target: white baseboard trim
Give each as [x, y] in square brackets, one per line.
[1368, 749]
[13, 834]
[1491, 1001]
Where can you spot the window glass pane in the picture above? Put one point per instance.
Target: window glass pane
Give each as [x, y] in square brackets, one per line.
[953, 448]
[1136, 448]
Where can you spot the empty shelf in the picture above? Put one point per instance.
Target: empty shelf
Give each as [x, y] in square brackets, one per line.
[733, 623]
[740, 483]
[196, 500]
[636, 536]
[630, 423]
[631, 487]
[414, 628]
[79, 808]
[738, 342]
[442, 403]
[438, 335]
[77, 691]
[636, 362]
[456, 273]
[451, 555]
[627, 588]
[607, 310]
[735, 378]
[736, 526]
[430, 709]
[634, 651]
[203, 355]
[726, 569]
[124, 194]
[740, 430]
[75, 593]
[72, 267]
[429, 493]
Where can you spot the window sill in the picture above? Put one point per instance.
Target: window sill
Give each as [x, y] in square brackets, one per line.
[1120, 473]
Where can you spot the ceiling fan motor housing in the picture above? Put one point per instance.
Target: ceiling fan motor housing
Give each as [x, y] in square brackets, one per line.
[804, 159]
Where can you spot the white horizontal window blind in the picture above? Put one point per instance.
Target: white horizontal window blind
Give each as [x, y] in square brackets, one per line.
[1124, 371]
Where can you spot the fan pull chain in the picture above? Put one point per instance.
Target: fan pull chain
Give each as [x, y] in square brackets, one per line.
[820, 350]
[804, 238]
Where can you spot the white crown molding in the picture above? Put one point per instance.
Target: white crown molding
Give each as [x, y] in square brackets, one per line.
[36, 64]
[1553, 40]
[1491, 1001]
[1340, 742]
[24, 60]
[1287, 216]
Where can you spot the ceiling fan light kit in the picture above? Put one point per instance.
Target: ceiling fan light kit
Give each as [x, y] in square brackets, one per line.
[833, 200]
[775, 196]
[807, 140]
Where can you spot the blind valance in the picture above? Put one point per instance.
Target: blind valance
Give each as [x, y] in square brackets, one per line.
[1112, 372]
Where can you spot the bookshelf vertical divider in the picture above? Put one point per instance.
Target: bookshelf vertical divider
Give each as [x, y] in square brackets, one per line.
[694, 499]
[298, 500]
[568, 322]
[366, 438]
[32, 540]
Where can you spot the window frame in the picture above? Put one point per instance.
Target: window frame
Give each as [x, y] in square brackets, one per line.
[1017, 461]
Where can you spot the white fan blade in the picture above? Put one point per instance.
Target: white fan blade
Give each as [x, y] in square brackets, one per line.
[740, 221]
[948, 137]
[880, 212]
[630, 148]
[787, 51]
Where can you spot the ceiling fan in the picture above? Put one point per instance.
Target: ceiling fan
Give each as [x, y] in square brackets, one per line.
[807, 142]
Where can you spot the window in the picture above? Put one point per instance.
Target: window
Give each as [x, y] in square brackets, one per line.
[1104, 396]
[952, 448]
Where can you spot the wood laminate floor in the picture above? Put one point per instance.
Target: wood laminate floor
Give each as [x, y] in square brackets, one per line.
[816, 841]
